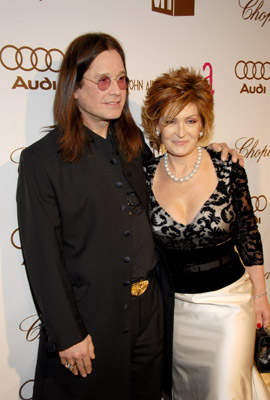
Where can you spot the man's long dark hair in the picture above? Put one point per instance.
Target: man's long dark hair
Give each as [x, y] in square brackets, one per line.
[67, 117]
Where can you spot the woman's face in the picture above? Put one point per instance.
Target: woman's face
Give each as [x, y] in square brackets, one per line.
[180, 136]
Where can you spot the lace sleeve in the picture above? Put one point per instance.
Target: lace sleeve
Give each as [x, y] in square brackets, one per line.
[248, 238]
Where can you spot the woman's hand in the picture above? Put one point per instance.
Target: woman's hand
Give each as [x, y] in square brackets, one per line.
[262, 312]
[262, 307]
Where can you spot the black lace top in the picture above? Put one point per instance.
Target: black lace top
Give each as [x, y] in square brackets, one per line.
[228, 213]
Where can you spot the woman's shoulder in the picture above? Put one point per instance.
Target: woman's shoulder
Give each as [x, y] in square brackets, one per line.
[151, 166]
[228, 165]
[153, 163]
[216, 156]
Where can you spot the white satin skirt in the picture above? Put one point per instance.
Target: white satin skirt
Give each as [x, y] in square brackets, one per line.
[213, 347]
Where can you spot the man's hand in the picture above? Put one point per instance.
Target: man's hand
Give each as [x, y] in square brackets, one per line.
[225, 150]
[79, 355]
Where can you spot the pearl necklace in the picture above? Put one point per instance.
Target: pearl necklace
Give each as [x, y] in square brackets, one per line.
[192, 173]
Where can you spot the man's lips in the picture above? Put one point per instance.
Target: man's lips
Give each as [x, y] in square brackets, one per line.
[113, 102]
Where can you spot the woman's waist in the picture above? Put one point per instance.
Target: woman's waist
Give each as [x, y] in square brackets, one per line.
[202, 270]
[212, 256]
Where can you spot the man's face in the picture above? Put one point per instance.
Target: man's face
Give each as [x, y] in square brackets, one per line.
[98, 107]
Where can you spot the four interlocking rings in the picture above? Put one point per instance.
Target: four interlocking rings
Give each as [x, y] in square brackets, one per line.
[252, 70]
[259, 203]
[29, 59]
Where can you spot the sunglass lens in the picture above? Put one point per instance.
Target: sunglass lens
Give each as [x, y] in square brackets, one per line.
[123, 82]
[104, 83]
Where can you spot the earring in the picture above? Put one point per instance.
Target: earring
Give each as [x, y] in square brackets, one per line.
[157, 132]
[201, 134]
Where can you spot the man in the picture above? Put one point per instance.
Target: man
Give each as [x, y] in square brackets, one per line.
[86, 237]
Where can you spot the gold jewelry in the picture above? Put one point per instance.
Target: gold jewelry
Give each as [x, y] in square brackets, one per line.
[70, 366]
[139, 288]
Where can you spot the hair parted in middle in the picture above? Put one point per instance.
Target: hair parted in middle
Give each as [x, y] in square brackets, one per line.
[168, 96]
[77, 59]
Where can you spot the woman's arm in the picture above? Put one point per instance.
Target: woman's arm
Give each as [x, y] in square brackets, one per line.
[248, 242]
[262, 308]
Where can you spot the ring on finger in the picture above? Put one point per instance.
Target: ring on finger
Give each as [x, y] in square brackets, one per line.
[69, 366]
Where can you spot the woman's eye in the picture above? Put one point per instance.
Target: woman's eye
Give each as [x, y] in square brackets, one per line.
[191, 121]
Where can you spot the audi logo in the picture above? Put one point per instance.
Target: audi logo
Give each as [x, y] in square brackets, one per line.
[259, 203]
[252, 70]
[27, 59]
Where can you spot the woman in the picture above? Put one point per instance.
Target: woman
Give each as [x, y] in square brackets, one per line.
[202, 219]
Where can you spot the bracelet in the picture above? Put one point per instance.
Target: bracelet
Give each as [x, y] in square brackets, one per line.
[260, 295]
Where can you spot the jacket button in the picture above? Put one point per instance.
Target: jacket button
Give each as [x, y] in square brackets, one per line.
[113, 161]
[126, 233]
[126, 259]
[125, 307]
[52, 347]
[123, 207]
[126, 283]
[118, 184]
[126, 330]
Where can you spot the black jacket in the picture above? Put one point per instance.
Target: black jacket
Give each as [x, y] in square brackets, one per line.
[71, 228]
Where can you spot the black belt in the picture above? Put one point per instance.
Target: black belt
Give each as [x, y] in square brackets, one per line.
[200, 259]
[204, 269]
[210, 265]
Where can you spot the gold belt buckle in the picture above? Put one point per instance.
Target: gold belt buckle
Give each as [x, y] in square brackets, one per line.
[139, 288]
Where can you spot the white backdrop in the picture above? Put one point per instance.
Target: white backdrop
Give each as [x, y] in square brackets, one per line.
[229, 42]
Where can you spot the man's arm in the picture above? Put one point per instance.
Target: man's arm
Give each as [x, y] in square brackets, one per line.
[41, 239]
[79, 356]
[225, 151]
